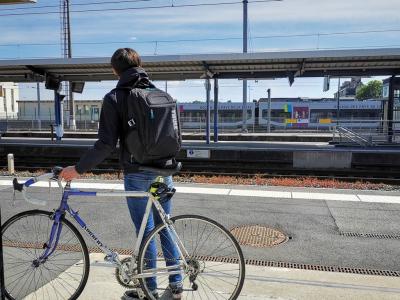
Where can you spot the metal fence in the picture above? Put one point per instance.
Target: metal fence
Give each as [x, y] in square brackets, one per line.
[26, 124]
[374, 130]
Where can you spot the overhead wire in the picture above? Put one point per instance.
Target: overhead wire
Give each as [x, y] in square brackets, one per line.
[140, 8]
[211, 39]
[75, 4]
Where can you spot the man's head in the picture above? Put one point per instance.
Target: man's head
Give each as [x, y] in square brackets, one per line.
[123, 59]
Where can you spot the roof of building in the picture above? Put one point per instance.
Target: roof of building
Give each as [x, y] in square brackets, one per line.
[357, 62]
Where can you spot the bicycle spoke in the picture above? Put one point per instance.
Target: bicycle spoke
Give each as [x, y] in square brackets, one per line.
[216, 278]
[60, 276]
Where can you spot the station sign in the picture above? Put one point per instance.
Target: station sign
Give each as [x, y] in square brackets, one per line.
[198, 153]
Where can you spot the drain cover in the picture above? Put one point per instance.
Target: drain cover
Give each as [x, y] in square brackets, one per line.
[258, 236]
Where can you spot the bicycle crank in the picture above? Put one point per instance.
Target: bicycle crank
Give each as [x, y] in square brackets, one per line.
[123, 275]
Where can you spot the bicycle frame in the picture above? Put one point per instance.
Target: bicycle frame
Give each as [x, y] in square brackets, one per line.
[64, 207]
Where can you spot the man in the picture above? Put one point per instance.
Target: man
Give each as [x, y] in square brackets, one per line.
[126, 64]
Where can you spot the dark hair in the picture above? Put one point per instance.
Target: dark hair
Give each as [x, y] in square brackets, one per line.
[125, 58]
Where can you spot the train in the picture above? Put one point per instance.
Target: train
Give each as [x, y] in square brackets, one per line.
[286, 113]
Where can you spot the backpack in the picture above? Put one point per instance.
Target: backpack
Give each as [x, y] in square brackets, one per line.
[152, 133]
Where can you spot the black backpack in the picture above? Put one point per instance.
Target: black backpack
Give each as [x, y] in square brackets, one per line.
[152, 132]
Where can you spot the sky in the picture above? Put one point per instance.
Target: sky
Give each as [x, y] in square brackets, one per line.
[161, 27]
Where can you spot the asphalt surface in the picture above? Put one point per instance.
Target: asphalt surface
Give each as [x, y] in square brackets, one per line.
[312, 225]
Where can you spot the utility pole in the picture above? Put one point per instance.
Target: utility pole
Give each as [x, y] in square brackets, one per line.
[67, 53]
[245, 31]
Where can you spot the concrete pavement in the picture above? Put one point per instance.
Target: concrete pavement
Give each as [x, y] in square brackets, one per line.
[265, 283]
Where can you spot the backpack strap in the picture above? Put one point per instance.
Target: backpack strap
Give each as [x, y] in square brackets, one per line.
[123, 98]
[126, 112]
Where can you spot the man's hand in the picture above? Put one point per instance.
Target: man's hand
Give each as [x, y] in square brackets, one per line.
[69, 173]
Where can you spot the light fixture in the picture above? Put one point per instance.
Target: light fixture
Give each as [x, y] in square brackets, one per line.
[16, 1]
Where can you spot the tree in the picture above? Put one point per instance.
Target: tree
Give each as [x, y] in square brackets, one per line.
[369, 91]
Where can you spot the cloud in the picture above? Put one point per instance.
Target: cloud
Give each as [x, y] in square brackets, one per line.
[292, 11]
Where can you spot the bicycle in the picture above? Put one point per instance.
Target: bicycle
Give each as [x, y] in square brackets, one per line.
[46, 257]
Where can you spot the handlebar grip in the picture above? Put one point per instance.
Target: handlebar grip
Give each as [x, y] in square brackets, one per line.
[21, 188]
[17, 186]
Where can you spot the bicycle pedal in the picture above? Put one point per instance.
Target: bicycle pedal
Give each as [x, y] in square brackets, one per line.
[110, 258]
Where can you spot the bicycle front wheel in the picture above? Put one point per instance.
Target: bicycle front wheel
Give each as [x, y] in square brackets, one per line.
[62, 275]
[215, 267]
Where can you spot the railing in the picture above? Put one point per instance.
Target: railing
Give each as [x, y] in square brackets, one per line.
[32, 124]
[277, 124]
[367, 136]
[353, 136]
[375, 131]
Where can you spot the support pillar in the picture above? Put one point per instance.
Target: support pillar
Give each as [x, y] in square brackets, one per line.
[216, 110]
[58, 112]
[390, 110]
[245, 32]
[269, 111]
[208, 92]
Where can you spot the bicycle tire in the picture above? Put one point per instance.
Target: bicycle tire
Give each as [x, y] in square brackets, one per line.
[16, 245]
[198, 259]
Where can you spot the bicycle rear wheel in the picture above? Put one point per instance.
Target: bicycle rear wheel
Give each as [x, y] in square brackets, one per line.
[62, 275]
[216, 264]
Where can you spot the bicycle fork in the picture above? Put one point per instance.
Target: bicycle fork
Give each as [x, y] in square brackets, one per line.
[51, 245]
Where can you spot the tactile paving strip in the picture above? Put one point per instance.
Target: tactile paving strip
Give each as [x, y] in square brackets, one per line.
[254, 262]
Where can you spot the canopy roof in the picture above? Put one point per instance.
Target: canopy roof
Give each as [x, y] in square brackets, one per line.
[362, 62]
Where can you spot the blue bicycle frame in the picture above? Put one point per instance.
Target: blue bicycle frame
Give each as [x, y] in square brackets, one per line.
[56, 229]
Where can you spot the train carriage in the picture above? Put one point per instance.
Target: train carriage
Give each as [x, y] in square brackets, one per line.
[321, 114]
[193, 115]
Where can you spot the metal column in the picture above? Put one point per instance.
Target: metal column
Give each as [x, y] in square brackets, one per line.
[58, 115]
[215, 110]
[2, 287]
[389, 116]
[269, 111]
[208, 92]
[38, 106]
[245, 31]
[338, 103]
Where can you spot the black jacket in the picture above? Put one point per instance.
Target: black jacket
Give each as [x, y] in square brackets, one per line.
[111, 127]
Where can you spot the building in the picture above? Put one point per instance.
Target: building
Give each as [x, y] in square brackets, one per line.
[349, 88]
[9, 96]
[85, 110]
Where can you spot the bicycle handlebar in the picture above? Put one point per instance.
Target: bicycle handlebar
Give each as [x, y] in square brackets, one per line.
[21, 187]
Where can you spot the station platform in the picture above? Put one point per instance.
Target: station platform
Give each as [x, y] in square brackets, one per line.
[343, 243]
[247, 157]
[302, 136]
[268, 283]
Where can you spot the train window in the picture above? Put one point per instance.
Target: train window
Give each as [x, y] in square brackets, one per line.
[316, 115]
[94, 113]
[278, 115]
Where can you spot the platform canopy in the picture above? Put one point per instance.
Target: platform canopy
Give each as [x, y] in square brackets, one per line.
[362, 62]
[16, 1]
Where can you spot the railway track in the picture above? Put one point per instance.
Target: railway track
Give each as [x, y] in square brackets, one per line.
[376, 167]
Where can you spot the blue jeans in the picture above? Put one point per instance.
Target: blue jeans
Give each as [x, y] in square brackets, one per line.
[141, 181]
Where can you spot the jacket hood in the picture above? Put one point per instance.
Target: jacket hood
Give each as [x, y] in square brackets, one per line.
[133, 76]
